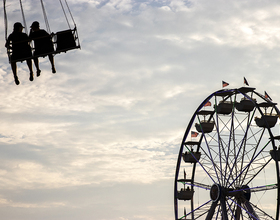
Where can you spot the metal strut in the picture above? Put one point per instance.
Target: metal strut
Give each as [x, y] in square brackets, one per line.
[45, 17]
[23, 17]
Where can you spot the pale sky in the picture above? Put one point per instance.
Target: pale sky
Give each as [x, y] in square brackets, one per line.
[100, 138]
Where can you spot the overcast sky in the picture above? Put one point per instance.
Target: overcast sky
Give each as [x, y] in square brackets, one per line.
[100, 138]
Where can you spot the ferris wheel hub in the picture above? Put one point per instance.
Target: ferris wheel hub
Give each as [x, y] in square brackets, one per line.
[215, 192]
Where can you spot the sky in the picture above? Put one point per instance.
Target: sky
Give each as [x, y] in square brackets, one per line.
[100, 138]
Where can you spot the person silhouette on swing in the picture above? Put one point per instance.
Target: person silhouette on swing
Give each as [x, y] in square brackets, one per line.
[43, 45]
[20, 45]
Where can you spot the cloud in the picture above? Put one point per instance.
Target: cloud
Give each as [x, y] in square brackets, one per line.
[103, 133]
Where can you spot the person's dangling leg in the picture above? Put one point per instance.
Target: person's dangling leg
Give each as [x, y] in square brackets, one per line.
[14, 69]
[52, 63]
[36, 62]
[29, 64]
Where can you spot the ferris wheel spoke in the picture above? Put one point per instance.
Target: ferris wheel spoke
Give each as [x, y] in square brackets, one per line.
[203, 167]
[227, 161]
[247, 208]
[218, 213]
[208, 163]
[223, 158]
[211, 211]
[248, 165]
[261, 167]
[231, 137]
[230, 209]
[240, 122]
[264, 188]
[219, 144]
[260, 213]
[257, 188]
[199, 211]
[216, 157]
[254, 135]
[211, 160]
[237, 214]
[250, 210]
[253, 158]
[241, 145]
[224, 208]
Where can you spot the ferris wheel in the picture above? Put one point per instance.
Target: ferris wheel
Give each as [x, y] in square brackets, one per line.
[228, 162]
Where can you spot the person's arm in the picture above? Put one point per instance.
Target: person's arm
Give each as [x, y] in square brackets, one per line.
[30, 34]
[8, 43]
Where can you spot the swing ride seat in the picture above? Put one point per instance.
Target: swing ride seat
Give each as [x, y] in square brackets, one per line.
[21, 53]
[32, 57]
[9, 52]
[64, 41]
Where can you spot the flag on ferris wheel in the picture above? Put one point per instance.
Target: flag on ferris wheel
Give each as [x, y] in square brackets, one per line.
[208, 103]
[194, 134]
[225, 84]
[246, 82]
[267, 96]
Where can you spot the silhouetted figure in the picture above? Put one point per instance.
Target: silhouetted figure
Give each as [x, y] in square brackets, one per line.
[19, 42]
[43, 45]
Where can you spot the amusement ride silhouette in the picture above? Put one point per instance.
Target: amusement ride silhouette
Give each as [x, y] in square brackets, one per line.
[46, 43]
